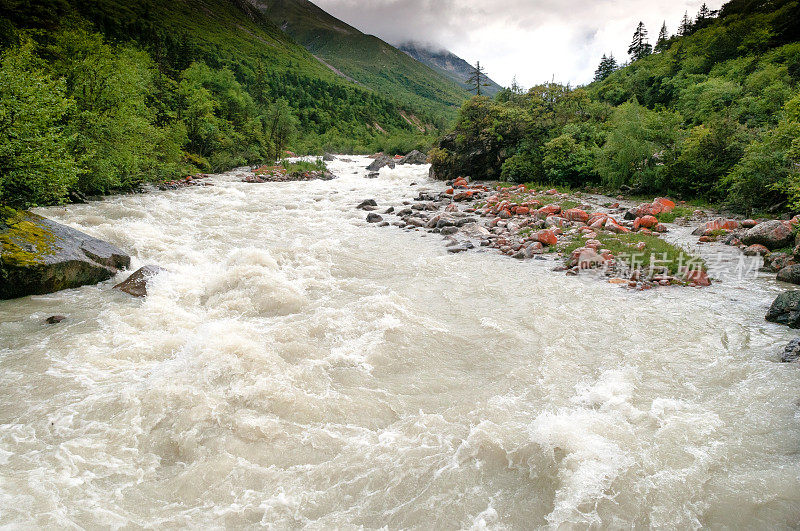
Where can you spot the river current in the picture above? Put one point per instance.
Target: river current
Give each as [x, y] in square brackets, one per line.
[298, 367]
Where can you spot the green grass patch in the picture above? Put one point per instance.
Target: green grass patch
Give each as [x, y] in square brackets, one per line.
[656, 252]
[678, 212]
[318, 165]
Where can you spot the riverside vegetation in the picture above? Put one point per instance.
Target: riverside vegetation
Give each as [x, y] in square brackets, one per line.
[100, 96]
[713, 114]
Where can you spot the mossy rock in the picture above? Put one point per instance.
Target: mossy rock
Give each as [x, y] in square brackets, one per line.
[39, 256]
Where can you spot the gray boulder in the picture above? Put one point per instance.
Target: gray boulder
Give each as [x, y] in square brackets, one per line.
[415, 157]
[39, 256]
[327, 157]
[380, 162]
[786, 309]
[136, 284]
[773, 234]
[790, 274]
[791, 352]
[374, 218]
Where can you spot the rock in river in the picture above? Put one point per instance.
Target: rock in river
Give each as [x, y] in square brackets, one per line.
[39, 256]
[772, 234]
[380, 162]
[790, 274]
[786, 309]
[791, 352]
[136, 284]
[415, 157]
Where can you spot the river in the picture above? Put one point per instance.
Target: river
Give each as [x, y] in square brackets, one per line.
[298, 367]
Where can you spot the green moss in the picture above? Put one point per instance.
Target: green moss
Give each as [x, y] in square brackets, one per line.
[22, 242]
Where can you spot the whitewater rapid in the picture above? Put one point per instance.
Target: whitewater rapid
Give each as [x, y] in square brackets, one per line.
[298, 367]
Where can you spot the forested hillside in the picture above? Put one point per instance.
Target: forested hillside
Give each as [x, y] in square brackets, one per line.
[365, 58]
[712, 112]
[101, 95]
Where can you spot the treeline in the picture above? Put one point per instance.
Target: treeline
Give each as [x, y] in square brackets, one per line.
[713, 113]
[93, 102]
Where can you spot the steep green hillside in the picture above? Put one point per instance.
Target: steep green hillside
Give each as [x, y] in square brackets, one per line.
[365, 58]
[448, 64]
[101, 95]
[714, 114]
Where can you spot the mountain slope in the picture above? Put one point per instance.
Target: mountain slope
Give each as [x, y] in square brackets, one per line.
[235, 35]
[446, 63]
[364, 58]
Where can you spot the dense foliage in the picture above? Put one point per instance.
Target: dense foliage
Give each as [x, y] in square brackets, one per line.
[713, 113]
[101, 95]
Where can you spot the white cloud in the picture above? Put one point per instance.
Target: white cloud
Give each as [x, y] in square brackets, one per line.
[535, 40]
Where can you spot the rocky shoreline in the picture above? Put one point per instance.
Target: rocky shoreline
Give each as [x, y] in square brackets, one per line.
[577, 233]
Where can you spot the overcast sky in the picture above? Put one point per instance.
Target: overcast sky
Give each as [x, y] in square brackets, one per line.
[532, 39]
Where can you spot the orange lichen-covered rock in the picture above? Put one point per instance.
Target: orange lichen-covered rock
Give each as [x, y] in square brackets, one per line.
[547, 237]
[576, 214]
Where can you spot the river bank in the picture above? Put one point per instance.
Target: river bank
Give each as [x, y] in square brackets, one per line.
[298, 366]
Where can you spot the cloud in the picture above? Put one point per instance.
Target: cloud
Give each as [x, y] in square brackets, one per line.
[536, 40]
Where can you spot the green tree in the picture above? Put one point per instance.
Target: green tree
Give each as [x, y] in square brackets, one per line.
[639, 47]
[637, 144]
[607, 67]
[478, 79]
[663, 39]
[36, 166]
[281, 127]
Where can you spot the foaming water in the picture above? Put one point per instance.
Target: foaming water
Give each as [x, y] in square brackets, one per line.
[298, 367]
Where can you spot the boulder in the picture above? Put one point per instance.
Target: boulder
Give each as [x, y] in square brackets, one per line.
[755, 250]
[372, 217]
[790, 274]
[647, 222]
[716, 225]
[415, 157]
[136, 284]
[367, 203]
[39, 256]
[380, 162]
[547, 237]
[327, 157]
[785, 309]
[576, 214]
[585, 258]
[773, 234]
[54, 319]
[791, 352]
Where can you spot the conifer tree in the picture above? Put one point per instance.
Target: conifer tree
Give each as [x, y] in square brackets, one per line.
[639, 47]
[686, 25]
[663, 38]
[607, 67]
[477, 79]
[704, 18]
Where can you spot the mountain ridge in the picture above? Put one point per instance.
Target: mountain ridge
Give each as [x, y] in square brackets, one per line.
[364, 58]
[447, 63]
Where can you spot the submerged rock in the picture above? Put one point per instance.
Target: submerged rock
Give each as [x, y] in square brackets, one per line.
[54, 319]
[136, 284]
[39, 256]
[786, 309]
